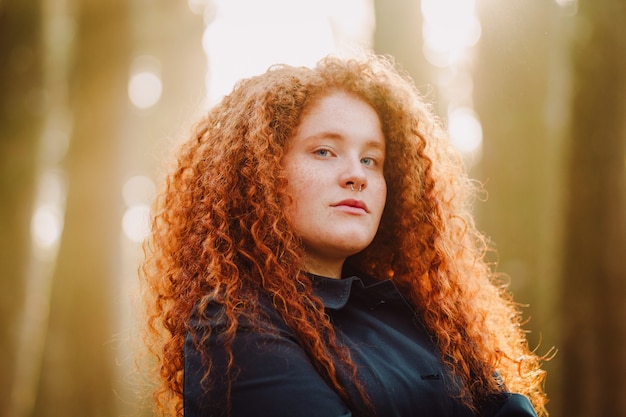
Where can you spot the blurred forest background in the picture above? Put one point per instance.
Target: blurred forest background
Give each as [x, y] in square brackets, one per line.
[92, 93]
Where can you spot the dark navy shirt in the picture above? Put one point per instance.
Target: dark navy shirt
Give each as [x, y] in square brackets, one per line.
[397, 362]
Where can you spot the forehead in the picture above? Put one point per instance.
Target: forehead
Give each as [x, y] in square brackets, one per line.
[342, 111]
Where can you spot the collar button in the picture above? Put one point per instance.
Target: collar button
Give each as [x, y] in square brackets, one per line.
[377, 304]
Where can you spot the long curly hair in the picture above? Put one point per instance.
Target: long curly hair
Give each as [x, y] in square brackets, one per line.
[220, 234]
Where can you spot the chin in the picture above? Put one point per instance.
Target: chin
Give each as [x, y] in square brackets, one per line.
[354, 246]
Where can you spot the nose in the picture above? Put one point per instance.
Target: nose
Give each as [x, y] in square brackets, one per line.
[354, 176]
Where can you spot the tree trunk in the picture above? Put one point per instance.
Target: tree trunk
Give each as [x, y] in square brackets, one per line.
[20, 124]
[520, 94]
[399, 34]
[594, 279]
[78, 367]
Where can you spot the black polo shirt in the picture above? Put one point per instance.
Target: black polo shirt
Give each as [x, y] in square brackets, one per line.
[397, 363]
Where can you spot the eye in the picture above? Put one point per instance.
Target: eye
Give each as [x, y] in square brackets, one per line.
[322, 152]
[368, 161]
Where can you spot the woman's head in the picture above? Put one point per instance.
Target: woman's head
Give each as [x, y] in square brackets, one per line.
[335, 182]
[234, 167]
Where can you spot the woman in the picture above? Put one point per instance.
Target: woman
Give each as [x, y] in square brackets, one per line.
[313, 254]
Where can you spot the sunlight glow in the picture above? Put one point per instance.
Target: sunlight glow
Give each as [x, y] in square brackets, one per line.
[197, 6]
[144, 89]
[246, 37]
[450, 27]
[47, 221]
[144, 85]
[465, 130]
[568, 7]
[46, 226]
[136, 223]
[137, 192]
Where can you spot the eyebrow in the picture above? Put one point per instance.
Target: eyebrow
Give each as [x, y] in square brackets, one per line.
[337, 136]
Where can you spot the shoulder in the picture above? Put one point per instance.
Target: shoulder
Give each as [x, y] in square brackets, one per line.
[212, 318]
[263, 369]
[508, 405]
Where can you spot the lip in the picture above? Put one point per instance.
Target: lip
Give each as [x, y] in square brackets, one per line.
[353, 203]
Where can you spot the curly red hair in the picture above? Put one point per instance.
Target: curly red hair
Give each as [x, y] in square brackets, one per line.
[219, 233]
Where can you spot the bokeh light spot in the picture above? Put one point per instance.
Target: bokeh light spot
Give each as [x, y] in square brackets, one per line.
[46, 226]
[465, 130]
[136, 222]
[138, 190]
[450, 28]
[144, 89]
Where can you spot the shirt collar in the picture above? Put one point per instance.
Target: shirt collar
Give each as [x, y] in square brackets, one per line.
[333, 292]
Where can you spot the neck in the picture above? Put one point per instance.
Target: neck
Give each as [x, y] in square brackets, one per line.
[324, 269]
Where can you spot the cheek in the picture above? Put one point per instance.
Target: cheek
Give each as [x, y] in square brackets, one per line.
[303, 181]
[290, 174]
[381, 195]
[295, 201]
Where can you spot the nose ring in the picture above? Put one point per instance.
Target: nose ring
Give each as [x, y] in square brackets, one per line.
[352, 187]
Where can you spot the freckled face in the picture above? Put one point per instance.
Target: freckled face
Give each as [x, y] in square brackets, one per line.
[334, 166]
